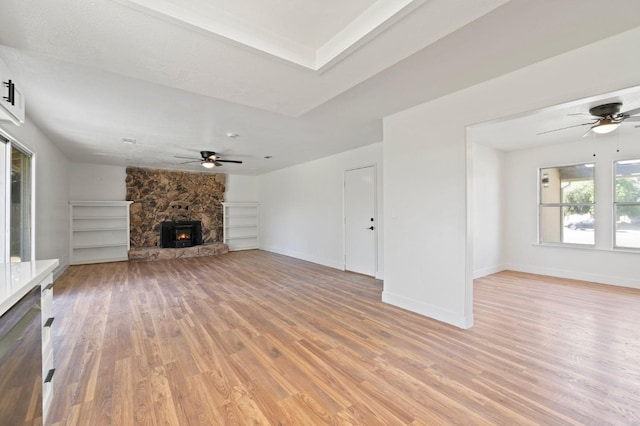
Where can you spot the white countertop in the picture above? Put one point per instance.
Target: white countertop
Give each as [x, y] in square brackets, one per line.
[17, 279]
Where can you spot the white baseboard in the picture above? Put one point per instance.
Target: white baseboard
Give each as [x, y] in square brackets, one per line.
[59, 271]
[576, 275]
[427, 310]
[332, 263]
[379, 275]
[483, 272]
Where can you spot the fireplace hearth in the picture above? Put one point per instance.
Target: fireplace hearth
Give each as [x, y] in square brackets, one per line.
[180, 234]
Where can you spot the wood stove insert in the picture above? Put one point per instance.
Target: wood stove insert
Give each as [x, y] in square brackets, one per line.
[180, 234]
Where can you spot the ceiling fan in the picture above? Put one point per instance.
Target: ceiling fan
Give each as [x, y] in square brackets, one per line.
[209, 160]
[606, 118]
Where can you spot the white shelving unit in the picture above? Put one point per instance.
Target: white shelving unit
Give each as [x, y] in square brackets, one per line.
[241, 230]
[99, 231]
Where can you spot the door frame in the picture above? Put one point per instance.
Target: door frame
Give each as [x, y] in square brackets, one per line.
[375, 215]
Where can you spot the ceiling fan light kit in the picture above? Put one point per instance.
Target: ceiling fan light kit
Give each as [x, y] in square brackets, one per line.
[607, 118]
[606, 125]
[209, 160]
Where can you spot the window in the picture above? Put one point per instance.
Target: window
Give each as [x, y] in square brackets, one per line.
[20, 214]
[566, 209]
[15, 203]
[627, 204]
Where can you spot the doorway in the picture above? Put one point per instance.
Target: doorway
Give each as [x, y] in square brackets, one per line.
[360, 220]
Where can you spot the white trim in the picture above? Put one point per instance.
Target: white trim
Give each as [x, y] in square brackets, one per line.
[576, 275]
[483, 272]
[468, 248]
[6, 227]
[331, 263]
[13, 143]
[101, 203]
[427, 310]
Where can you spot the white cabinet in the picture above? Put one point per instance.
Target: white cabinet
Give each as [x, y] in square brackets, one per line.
[46, 287]
[241, 225]
[99, 231]
[11, 98]
[18, 282]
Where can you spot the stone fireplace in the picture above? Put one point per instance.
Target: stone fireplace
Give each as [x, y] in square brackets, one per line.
[193, 201]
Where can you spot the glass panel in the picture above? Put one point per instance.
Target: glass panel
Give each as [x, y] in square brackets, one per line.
[567, 198]
[628, 181]
[628, 191]
[567, 184]
[628, 226]
[20, 214]
[563, 225]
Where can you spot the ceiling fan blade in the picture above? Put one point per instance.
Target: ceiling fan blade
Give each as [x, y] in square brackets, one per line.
[186, 158]
[632, 112]
[568, 127]
[217, 163]
[230, 161]
[632, 119]
[589, 131]
[583, 114]
[192, 161]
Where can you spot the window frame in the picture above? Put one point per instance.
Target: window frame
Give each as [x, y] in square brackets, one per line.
[561, 205]
[7, 143]
[617, 204]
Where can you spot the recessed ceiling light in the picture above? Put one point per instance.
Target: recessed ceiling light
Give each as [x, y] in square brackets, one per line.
[130, 141]
[232, 135]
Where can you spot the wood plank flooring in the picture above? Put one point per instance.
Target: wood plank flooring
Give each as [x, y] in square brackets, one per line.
[258, 338]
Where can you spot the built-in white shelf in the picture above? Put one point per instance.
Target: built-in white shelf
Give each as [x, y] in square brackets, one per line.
[241, 230]
[99, 231]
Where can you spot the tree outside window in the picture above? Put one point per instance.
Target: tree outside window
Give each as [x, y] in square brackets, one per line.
[627, 204]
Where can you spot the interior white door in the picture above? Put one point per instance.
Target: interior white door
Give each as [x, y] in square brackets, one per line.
[360, 220]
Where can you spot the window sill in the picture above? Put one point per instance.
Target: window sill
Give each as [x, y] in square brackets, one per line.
[589, 247]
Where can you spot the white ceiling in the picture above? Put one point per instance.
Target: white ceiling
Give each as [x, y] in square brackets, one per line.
[556, 124]
[313, 36]
[96, 71]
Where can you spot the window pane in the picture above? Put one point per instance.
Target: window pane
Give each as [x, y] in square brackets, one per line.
[627, 215]
[567, 207]
[567, 184]
[628, 226]
[628, 181]
[561, 225]
[20, 214]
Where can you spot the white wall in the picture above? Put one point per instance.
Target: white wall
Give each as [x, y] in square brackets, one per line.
[241, 188]
[93, 182]
[51, 170]
[301, 207]
[428, 243]
[489, 220]
[601, 264]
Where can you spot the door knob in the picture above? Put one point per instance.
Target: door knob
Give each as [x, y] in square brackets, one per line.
[371, 227]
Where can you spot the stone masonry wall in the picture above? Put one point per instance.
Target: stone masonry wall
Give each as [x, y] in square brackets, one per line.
[162, 195]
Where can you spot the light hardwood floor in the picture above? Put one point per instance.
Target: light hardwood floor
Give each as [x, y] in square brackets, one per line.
[258, 338]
